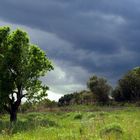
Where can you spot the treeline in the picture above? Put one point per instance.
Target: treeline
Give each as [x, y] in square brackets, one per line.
[82, 97]
[100, 92]
[39, 106]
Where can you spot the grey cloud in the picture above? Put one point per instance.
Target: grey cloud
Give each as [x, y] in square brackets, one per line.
[99, 37]
[66, 79]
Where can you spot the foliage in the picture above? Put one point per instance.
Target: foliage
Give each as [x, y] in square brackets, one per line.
[78, 116]
[46, 103]
[82, 97]
[21, 66]
[128, 88]
[29, 122]
[100, 89]
[43, 105]
[123, 124]
[111, 128]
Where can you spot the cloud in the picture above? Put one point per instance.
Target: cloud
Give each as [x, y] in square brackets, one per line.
[81, 37]
[66, 79]
[53, 96]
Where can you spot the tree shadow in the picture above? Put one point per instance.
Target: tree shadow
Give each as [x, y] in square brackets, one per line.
[27, 124]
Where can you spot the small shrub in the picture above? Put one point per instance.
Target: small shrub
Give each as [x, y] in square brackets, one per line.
[81, 130]
[113, 128]
[4, 126]
[78, 116]
[92, 116]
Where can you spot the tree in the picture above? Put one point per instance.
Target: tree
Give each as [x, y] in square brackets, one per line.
[82, 97]
[21, 66]
[100, 88]
[117, 94]
[65, 100]
[129, 87]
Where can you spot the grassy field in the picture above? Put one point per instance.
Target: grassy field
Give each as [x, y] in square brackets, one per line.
[81, 123]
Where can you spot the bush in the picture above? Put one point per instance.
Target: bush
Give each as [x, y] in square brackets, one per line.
[128, 89]
[100, 89]
[78, 116]
[113, 128]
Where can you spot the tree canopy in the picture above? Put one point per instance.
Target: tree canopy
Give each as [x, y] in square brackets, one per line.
[128, 88]
[21, 66]
[100, 88]
[82, 97]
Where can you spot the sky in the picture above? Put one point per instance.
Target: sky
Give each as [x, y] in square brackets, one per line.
[81, 37]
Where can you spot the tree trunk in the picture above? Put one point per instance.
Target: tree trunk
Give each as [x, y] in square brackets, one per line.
[13, 115]
[15, 105]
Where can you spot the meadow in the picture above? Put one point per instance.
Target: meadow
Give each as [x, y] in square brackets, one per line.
[74, 123]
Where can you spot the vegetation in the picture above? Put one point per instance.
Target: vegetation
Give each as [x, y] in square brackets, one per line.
[98, 113]
[21, 65]
[100, 88]
[106, 124]
[44, 105]
[128, 88]
[99, 91]
[82, 97]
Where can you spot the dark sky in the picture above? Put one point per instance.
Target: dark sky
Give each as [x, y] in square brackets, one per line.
[82, 37]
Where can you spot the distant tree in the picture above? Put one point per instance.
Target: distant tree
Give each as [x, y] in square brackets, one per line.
[128, 88]
[46, 103]
[100, 88]
[82, 97]
[65, 100]
[38, 106]
[21, 66]
[117, 94]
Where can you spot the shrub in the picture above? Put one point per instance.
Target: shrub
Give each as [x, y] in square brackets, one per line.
[113, 128]
[100, 89]
[78, 116]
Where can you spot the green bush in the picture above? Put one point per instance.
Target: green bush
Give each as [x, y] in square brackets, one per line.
[78, 116]
[113, 128]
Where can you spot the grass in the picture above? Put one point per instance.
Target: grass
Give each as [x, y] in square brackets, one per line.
[104, 124]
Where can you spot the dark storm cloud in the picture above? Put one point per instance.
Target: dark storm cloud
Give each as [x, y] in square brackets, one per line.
[98, 36]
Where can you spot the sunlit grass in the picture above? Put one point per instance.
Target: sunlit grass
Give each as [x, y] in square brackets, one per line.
[81, 125]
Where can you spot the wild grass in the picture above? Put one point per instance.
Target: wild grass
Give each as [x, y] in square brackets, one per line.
[117, 124]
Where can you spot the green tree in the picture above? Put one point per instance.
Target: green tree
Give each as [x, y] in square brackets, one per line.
[128, 88]
[100, 88]
[21, 66]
